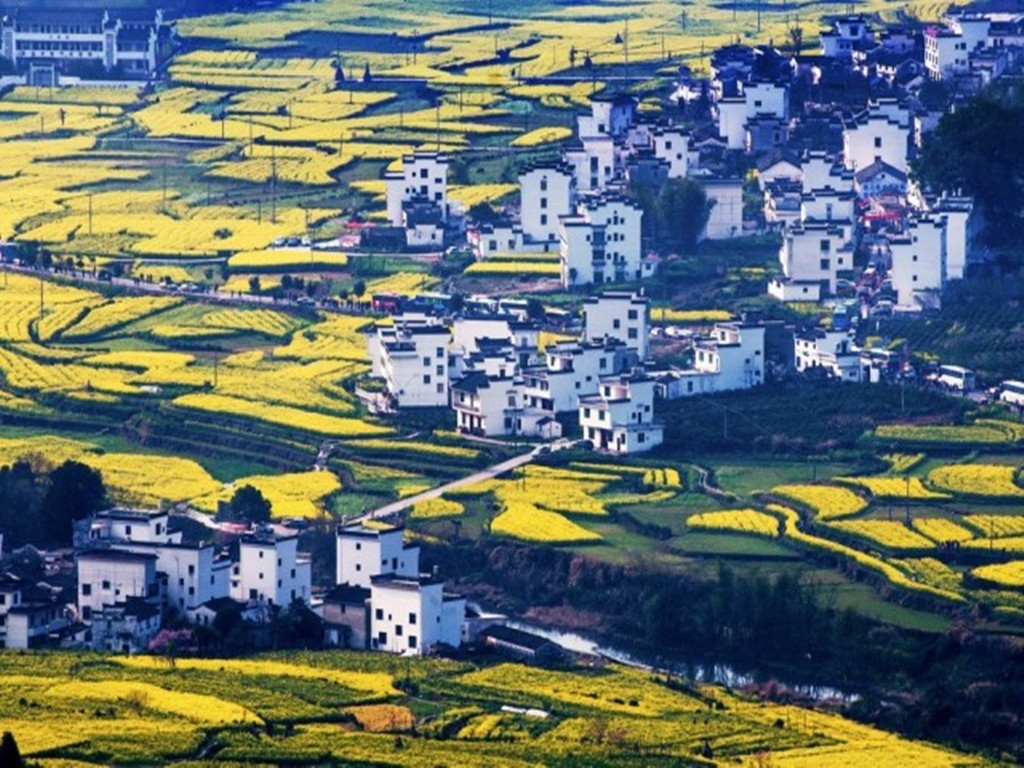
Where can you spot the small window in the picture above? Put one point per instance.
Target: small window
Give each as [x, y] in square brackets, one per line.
[86, 589]
[379, 614]
[412, 618]
[106, 584]
[412, 641]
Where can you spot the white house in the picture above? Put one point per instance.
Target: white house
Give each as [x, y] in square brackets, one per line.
[363, 553]
[726, 198]
[547, 192]
[882, 132]
[494, 406]
[778, 165]
[572, 370]
[601, 243]
[830, 351]
[820, 170]
[126, 627]
[620, 418]
[593, 160]
[755, 99]
[126, 525]
[36, 623]
[880, 178]
[672, 145]
[731, 358]
[610, 115]
[413, 615]
[962, 230]
[947, 50]
[919, 263]
[846, 34]
[110, 576]
[270, 571]
[412, 357]
[619, 315]
[811, 255]
[423, 179]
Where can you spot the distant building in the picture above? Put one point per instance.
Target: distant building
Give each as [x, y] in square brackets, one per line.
[270, 571]
[547, 192]
[412, 358]
[109, 576]
[620, 418]
[601, 242]
[618, 315]
[413, 615]
[73, 39]
[919, 263]
[364, 552]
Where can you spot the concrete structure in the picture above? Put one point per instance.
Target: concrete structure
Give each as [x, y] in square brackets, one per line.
[948, 50]
[572, 370]
[412, 357]
[618, 315]
[814, 252]
[846, 35]
[672, 146]
[413, 615]
[270, 571]
[345, 610]
[601, 243]
[963, 227]
[547, 192]
[363, 553]
[134, 41]
[880, 133]
[126, 627]
[620, 418]
[731, 358]
[755, 99]
[110, 576]
[726, 198]
[919, 263]
[828, 351]
[423, 179]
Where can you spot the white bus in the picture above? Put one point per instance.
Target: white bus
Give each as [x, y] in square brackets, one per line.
[955, 377]
[1012, 392]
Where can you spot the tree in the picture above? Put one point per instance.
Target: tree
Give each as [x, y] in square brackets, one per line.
[367, 77]
[978, 150]
[458, 303]
[683, 212]
[483, 213]
[10, 755]
[254, 284]
[359, 289]
[248, 503]
[75, 491]
[796, 36]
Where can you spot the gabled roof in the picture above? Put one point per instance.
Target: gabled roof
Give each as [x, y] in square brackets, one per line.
[876, 169]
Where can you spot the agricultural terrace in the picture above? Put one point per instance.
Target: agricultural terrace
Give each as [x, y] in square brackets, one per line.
[349, 707]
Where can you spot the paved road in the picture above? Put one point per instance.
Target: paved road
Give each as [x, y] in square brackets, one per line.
[482, 476]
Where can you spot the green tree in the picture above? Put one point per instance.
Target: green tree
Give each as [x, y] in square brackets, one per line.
[483, 213]
[75, 491]
[683, 212]
[254, 284]
[978, 150]
[249, 504]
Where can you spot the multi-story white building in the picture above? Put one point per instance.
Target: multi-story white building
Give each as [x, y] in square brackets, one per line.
[363, 553]
[593, 162]
[111, 576]
[413, 615]
[126, 525]
[572, 370]
[830, 351]
[270, 571]
[423, 179]
[725, 195]
[948, 49]
[602, 242]
[962, 231]
[620, 418]
[619, 315]
[126, 627]
[547, 192]
[611, 115]
[846, 35]
[412, 358]
[755, 99]
[882, 132]
[731, 358]
[919, 263]
[494, 406]
[811, 255]
[672, 145]
[132, 40]
[820, 170]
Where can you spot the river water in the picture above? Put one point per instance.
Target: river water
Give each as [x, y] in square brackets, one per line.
[719, 674]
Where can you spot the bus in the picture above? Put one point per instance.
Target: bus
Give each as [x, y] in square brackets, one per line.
[1012, 392]
[955, 377]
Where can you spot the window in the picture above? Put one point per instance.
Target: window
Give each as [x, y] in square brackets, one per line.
[86, 589]
[543, 202]
[382, 638]
[440, 388]
[261, 554]
[181, 582]
[379, 613]
[878, 142]
[105, 584]
[293, 573]
[825, 246]
[426, 378]
[439, 370]
[398, 630]
[543, 219]
[359, 546]
[544, 184]
[423, 173]
[616, 323]
[191, 570]
[252, 594]
[426, 362]
[127, 530]
[412, 641]
[412, 618]
[631, 333]
[825, 263]
[632, 314]
[261, 577]
[359, 566]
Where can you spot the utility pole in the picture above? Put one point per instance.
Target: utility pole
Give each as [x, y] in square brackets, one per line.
[273, 184]
[42, 285]
[90, 213]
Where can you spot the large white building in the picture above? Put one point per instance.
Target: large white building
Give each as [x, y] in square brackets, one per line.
[134, 41]
[270, 571]
[811, 255]
[962, 230]
[411, 355]
[755, 99]
[547, 192]
[412, 615]
[602, 242]
[423, 179]
[845, 35]
[110, 576]
[732, 357]
[948, 49]
[828, 351]
[620, 418]
[363, 553]
[572, 370]
[882, 132]
[919, 263]
[618, 315]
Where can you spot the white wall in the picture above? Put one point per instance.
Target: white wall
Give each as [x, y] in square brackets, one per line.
[622, 316]
[363, 554]
[546, 193]
[919, 260]
[106, 580]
